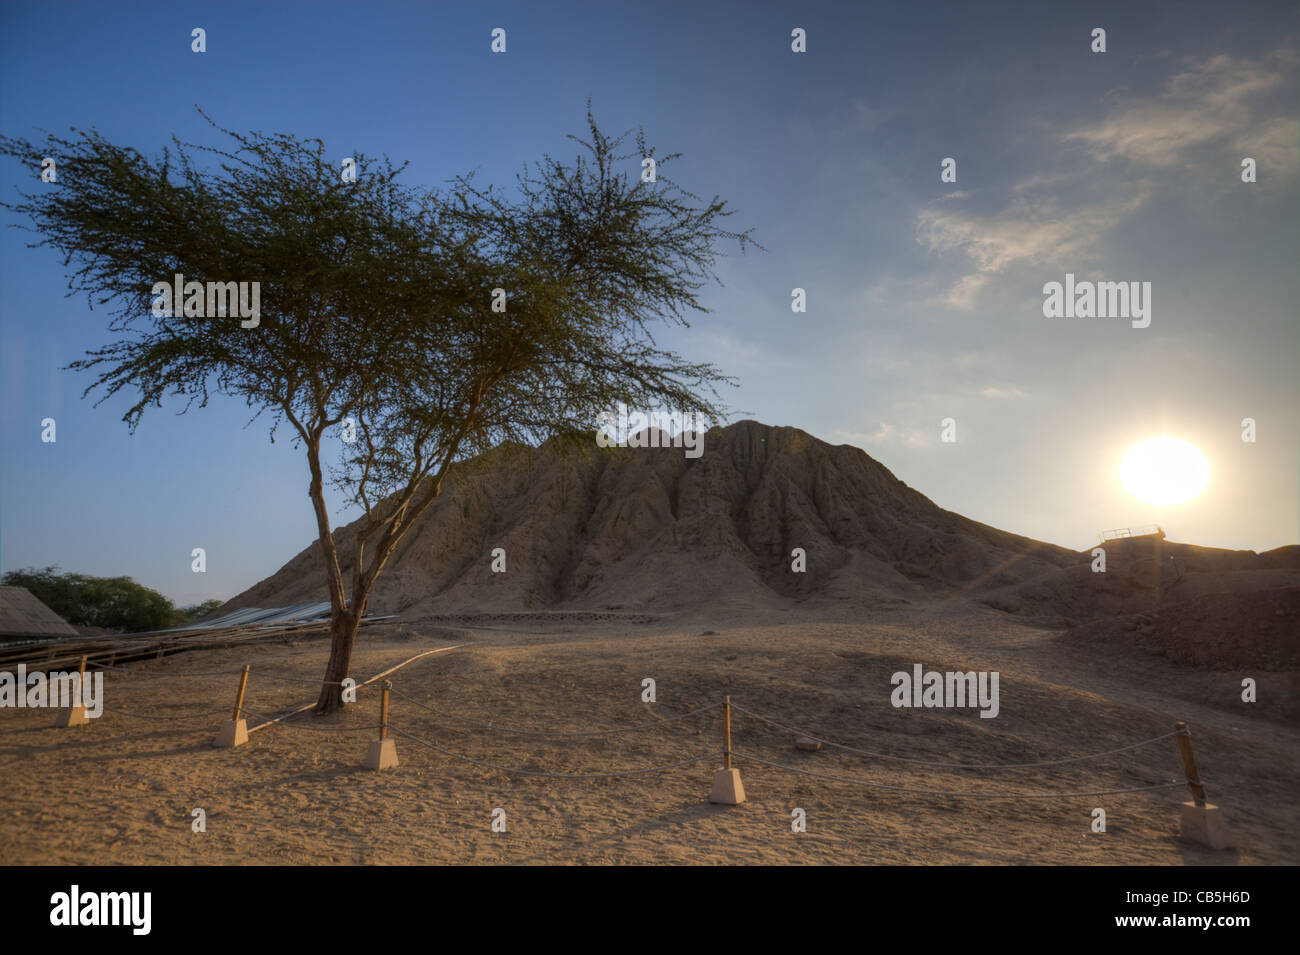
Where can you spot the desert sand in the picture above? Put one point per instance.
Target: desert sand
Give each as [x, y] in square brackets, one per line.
[122, 789]
[642, 563]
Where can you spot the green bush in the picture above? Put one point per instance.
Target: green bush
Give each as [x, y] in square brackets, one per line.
[113, 603]
[197, 612]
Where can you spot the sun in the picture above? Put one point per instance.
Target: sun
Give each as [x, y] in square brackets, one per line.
[1164, 471]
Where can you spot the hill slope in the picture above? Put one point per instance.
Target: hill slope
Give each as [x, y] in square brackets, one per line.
[650, 529]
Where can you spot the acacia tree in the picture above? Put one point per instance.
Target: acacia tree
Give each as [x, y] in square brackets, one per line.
[428, 325]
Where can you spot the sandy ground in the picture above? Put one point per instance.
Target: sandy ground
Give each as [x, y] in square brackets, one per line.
[122, 789]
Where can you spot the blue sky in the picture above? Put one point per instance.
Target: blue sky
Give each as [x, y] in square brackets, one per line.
[924, 297]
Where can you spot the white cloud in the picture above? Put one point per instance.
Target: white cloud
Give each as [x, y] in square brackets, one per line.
[1217, 100]
[1209, 101]
[885, 434]
[1012, 393]
[1026, 231]
[1040, 181]
[1274, 145]
[963, 294]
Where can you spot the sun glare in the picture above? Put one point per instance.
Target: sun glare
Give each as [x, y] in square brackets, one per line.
[1164, 471]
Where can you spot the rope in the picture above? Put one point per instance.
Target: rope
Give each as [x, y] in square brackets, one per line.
[931, 792]
[299, 679]
[546, 735]
[83, 800]
[926, 762]
[283, 720]
[366, 684]
[135, 672]
[143, 716]
[260, 675]
[534, 772]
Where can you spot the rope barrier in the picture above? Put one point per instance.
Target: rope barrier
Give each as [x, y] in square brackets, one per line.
[931, 792]
[926, 762]
[283, 720]
[135, 672]
[142, 716]
[261, 675]
[286, 719]
[534, 772]
[84, 799]
[546, 735]
[365, 684]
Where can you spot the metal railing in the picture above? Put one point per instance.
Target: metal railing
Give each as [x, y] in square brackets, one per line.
[1119, 533]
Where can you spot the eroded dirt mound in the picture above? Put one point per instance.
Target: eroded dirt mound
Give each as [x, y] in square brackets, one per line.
[1201, 606]
[1223, 631]
[650, 529]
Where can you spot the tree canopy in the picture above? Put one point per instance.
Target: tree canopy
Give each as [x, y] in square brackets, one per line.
[428, 324]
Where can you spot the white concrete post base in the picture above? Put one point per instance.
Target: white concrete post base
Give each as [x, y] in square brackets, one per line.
[76, 716]
[727, 788]
[232, 733]
[1206, 825]
[382, 754]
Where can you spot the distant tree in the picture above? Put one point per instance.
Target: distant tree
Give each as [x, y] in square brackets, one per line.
[376, 307]
[197, 612]
[112, 603]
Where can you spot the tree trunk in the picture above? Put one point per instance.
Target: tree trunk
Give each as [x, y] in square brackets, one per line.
[343, 634]
[345, 619]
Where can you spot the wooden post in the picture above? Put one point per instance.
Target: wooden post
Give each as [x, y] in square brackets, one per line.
[382, 753]
[234, 731]
[75, 714]
[239, 700]
[727, 788]
[1201, 821]
[1189, 763]
[726, 732]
